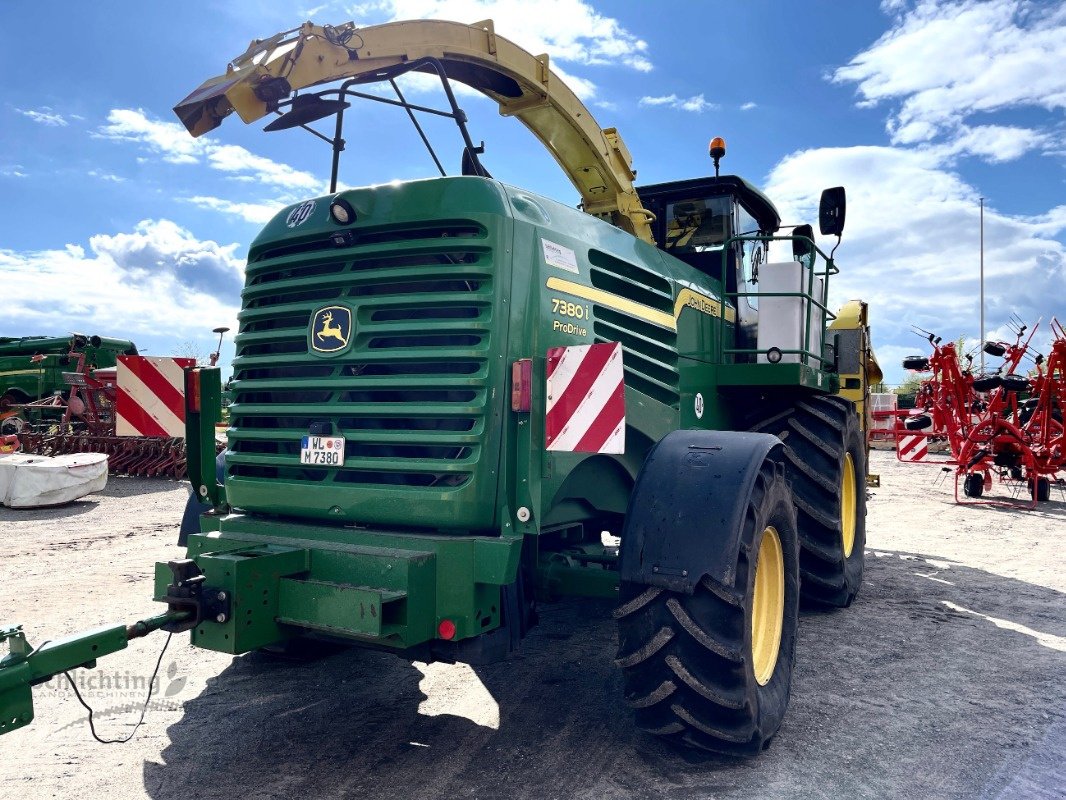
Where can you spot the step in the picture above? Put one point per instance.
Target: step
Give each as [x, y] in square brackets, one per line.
[338, 608]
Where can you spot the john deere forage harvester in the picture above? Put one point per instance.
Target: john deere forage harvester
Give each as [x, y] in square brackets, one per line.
[447, 390]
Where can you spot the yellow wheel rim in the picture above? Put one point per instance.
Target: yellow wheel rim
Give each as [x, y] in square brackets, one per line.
[847, 505]
[767, 606]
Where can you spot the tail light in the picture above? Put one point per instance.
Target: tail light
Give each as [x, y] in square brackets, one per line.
[192, 391]
[522, 385]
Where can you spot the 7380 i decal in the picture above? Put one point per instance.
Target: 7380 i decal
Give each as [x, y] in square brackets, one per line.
[565, 308]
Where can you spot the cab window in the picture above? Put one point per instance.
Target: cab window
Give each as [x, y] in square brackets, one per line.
[753, 255]
[697, 226]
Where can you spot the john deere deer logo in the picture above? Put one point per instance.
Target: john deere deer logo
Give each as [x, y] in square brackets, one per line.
[331, 329]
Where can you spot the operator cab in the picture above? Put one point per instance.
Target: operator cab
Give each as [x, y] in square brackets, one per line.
[695, 219]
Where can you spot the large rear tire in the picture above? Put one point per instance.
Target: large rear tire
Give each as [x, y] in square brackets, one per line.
[825, 461]
[713, 669]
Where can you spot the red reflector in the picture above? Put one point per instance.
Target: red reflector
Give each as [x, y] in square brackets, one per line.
[446, 629]
[192, 391]
[522, 385]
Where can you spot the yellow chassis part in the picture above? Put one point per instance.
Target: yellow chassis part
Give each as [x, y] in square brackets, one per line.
[596, 160]
[855, 383]
[854, 315]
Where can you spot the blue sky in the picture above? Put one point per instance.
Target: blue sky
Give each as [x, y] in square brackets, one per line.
[117, 222]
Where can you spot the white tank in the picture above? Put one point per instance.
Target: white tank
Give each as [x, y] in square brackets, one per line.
[782, 319]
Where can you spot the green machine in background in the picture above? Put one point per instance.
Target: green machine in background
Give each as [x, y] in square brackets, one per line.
[454, 399]
[32, 367]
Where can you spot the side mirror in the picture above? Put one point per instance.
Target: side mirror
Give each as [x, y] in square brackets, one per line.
[831, 211]
[802, 249]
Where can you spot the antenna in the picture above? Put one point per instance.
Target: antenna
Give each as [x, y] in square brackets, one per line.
[218, 350]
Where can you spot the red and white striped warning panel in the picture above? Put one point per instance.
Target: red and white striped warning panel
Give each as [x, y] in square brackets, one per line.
[912, 447]
[150, 400]
[586, 407]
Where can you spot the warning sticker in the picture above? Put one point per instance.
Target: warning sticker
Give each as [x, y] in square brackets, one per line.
[559, 256]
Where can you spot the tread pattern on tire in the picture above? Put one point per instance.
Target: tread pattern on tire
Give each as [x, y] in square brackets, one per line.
[816, 432]
[686, 658]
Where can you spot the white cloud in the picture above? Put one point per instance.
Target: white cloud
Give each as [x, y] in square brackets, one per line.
[167, 139]
[173, 144]
[235, 159]
[749, 106]
[105, 176]
[44, 116]
[13, 171]
[943, 62]
[911, 247]
[157, 276]
[257, 213]
[995, 143]
[696, 103]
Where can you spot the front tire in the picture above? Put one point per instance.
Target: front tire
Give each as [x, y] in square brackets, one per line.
[825, 461]
[713, 670]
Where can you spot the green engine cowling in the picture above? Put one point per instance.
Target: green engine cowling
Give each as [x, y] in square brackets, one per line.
[434, 290]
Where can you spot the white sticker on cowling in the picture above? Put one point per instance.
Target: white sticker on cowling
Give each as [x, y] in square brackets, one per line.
[559, 256]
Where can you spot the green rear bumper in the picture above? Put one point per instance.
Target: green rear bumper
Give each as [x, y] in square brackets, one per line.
[379, 588]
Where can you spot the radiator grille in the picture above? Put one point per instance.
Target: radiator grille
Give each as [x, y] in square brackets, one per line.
[410, 396]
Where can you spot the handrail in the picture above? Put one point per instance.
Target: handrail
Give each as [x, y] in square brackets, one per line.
[806, 355]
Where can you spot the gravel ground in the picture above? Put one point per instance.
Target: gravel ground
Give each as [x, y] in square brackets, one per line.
[946, 678]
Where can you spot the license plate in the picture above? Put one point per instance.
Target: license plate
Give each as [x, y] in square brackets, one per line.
[325, 451]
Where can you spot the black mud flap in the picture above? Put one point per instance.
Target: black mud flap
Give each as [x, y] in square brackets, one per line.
[686, 511]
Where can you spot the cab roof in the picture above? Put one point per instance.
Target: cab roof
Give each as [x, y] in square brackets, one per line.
[757, 203]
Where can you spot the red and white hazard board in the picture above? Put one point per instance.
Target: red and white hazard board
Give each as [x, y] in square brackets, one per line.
[912, 447]
[150, 399]
[586, 409]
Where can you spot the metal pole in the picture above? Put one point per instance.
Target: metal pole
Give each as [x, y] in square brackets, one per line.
[338, 144]
[981, 337]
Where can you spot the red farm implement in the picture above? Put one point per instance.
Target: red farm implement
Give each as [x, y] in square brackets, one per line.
[133, 412]
[1003, 424]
